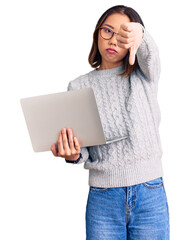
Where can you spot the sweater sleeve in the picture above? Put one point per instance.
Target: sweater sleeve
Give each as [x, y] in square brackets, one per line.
[148, 58]
[84, 153]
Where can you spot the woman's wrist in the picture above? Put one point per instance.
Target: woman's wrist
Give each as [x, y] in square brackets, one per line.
[72, 161]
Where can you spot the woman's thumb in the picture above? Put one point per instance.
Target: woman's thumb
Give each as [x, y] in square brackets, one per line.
[132, 55]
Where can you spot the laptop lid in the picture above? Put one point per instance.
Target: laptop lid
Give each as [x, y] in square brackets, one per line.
[46, 115]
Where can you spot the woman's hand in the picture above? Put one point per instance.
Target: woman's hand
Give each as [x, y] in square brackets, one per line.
[70, 150]
[130, 36]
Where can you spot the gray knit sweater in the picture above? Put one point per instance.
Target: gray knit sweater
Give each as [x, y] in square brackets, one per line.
[128, 107]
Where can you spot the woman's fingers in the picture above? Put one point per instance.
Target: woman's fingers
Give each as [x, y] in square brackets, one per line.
[73, 142]
[125, 40]
[70, 139]
[54, 150]
[68, 145]
[61, 150]
[77, 145]
[125, 34]
[124, 45]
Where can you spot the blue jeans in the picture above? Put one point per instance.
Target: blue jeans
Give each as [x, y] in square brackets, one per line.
[138, 212]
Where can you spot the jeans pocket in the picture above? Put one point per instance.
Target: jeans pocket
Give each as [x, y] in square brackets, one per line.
[98, 189]
[156, 183]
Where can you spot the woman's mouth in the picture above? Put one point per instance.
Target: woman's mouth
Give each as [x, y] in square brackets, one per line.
[111, 50]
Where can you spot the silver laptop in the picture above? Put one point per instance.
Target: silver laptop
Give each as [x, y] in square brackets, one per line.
[46, 115]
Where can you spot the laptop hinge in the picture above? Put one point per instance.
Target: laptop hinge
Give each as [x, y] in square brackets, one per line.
[115, 139]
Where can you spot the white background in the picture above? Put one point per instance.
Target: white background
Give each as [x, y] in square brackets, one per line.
[44, 45]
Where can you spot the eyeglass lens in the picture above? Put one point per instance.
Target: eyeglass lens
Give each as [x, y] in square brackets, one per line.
[106, 33]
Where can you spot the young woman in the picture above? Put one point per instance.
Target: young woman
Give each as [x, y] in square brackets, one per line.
[127, 198]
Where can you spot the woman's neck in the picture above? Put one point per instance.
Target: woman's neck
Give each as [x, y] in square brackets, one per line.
[108, 67]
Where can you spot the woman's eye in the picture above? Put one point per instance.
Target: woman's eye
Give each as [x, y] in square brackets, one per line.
[107, 30]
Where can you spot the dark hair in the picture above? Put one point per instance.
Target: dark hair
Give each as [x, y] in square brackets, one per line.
[95, 57]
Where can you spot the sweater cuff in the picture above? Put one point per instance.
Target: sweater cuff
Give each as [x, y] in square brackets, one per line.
[76, 161]
[143, 29]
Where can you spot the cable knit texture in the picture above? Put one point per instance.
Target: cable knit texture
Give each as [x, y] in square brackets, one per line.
[128, 107]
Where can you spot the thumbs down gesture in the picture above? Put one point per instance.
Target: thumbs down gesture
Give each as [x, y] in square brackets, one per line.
[130, 36]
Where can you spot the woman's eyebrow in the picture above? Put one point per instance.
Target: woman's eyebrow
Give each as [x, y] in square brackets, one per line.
[109, 26]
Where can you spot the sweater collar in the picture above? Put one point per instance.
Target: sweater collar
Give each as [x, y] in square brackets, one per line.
[110, 71]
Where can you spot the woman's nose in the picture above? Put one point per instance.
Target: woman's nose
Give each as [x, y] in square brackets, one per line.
[113, 39]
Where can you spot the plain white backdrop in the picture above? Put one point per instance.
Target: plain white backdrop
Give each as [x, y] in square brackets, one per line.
[44, 45]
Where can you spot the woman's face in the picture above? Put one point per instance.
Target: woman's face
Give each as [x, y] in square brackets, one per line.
[110, 60]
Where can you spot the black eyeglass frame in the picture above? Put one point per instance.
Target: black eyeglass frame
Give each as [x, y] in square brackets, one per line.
[108, 29]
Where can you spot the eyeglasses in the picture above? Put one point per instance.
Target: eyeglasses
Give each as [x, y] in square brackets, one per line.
[106, 33]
